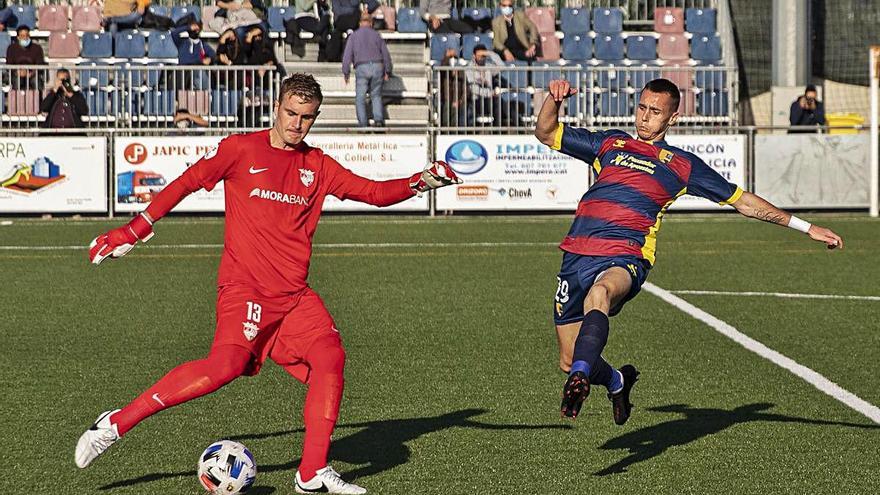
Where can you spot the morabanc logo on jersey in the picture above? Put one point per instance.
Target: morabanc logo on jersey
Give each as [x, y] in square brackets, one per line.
[306, 176]
[250, 330]
[292, 199]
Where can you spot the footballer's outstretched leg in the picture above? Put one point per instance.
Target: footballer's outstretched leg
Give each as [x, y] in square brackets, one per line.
[574, 393]
[98, 438]
[621, 407]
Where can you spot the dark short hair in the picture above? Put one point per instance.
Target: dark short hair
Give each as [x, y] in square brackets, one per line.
[809, 88]
[479, 47]
[667, 87]
[301, 84]
[62, 69]
[23, 27]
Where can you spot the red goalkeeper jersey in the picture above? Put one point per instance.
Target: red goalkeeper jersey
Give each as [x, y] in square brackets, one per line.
[273, 203]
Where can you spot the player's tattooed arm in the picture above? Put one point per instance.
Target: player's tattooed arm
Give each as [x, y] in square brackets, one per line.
[770, 216]
[754, 206]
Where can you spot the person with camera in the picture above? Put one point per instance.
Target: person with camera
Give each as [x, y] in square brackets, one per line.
[806, 110]
[65, 105]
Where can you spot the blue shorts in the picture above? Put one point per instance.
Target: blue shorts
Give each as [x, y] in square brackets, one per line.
[578, 273]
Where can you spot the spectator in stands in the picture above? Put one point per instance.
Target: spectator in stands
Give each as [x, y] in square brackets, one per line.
[346, 17]
[453, 92]
[807, 110]
[229, 51]
[25, 52]
[481, 82]
[183, 119]
[438, 16]
[258, 50]
[123, 14]
[312, 16]
[235, 14]
[192, 50]
[366, 50]
[7, 18]
[515, 37]
[64, 105]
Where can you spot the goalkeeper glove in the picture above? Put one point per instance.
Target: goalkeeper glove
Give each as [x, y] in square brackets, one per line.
[120, 241]
[437, 174]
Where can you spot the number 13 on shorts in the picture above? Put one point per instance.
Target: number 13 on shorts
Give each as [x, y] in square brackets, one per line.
[254, 310]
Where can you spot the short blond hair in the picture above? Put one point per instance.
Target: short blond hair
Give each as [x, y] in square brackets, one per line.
[303, 85]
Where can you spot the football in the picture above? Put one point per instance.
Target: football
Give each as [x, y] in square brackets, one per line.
[227, 467]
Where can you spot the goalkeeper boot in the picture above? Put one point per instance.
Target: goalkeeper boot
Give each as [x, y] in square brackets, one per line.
[576, 390]
[327, 480]
[98, 438]
[621, 407]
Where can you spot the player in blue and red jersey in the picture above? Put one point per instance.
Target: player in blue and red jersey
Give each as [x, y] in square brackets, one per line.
[611, 244]
[275, 185]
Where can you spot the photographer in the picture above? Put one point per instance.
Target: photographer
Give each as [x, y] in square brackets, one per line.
[806, 110]
[64, 105]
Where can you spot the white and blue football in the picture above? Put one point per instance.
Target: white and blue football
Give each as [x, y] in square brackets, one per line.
[227, 467]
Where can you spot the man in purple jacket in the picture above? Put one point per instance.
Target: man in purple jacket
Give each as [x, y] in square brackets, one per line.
[366, 50]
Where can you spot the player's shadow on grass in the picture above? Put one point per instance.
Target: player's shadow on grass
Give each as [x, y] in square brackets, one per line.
[651, 441]
[377, 445]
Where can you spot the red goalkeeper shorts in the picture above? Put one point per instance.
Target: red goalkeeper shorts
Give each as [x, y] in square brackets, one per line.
[280, 327]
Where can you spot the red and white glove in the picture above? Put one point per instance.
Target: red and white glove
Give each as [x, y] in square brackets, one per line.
[437, 174]
[118, 242]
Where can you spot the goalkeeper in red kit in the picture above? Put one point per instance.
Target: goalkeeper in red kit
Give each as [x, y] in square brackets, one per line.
[275, 185]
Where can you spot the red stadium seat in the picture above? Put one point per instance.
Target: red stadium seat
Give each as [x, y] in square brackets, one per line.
[86, 18]
[673, 47]
[24, 102]
[208, 14]
[669, 20]
[390, 16]
[549, 47]
[53, 18]
[195, 102]
[63, 45]
[543, 17]
[681, 75]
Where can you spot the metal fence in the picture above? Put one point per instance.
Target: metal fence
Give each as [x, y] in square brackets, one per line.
[142, 96]
[480, 98]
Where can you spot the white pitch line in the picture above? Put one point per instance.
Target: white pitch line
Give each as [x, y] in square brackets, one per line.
[825, 385]
[775, 294]
[341, 245]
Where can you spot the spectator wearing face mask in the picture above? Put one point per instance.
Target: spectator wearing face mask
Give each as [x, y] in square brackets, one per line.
[25, 52]
[184, 119]
[192, 50]
[514, 36]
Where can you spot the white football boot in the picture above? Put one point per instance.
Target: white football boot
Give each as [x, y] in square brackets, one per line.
[327, 481]
[98, 438]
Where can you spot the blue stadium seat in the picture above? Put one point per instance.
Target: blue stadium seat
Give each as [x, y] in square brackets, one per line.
[577, 47]
[710, 77]
[26, 15]
[609, 46]
[609, 75]
[159, 10]
[224, 102]
[98, 102]
[712, 103]
[641, 48]
[158, 102]
[130, 44]
[614, 104]
[469, 41]
[277, 16]
[409, 21]
[97, 45]
[644, 74]
[548, 72]
[90, 77]
[706, 48]
[700, 21]
[155, 77]
[179, 11]
[128, 74]
[515, 78]
[607, 20]
[476, 14]
[575, 21]
[201, 80]
[3, 99]
[5, 41]
[513, 99]
[442, 42]
[161, 45]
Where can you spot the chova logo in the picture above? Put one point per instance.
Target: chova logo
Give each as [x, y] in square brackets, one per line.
[291, 199]
[467, 157]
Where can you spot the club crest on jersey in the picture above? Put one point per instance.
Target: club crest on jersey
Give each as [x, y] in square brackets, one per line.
[250, 330]
[619, 143]
[666, 156]
[306, 176]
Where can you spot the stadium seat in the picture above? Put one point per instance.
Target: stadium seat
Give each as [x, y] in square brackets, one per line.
[179, 11]
[577, 48]
[97, 100]
[277, 16]
[515, 79]
[669, 20]
[475, 14]
[672, 47]
[86, 18]
[63, 45]
[156, 75]
[611, 76]
[200, 79]
[389, 15]
[575, 21]
[23, 102]
[549, 47]
[158, 103]
[224, 102]
[609, 46]
[642, 74]
[159, 10]
[208, 14]
[613, 104]
[5, 41]
[53, 18]
[543, 17]
[713, 103]
[542, 74]
[129, 74]
[681, 75]
[711, 77]
[442, 42]
[469, 41]
[161, 45]
[641, 47]
[688, 104]
[706, 48]
[25, 15]
[88, 76]
[196, 102]
[516, 103]
[409, 21]
[97, 45]
[130, 44]
[607, 20]
[700, 21]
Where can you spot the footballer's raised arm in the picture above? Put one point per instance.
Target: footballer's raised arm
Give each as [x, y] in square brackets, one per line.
[548, 118]
[344, 184]
[754, 206]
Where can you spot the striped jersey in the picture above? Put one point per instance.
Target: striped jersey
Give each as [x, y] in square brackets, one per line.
[636, 181]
